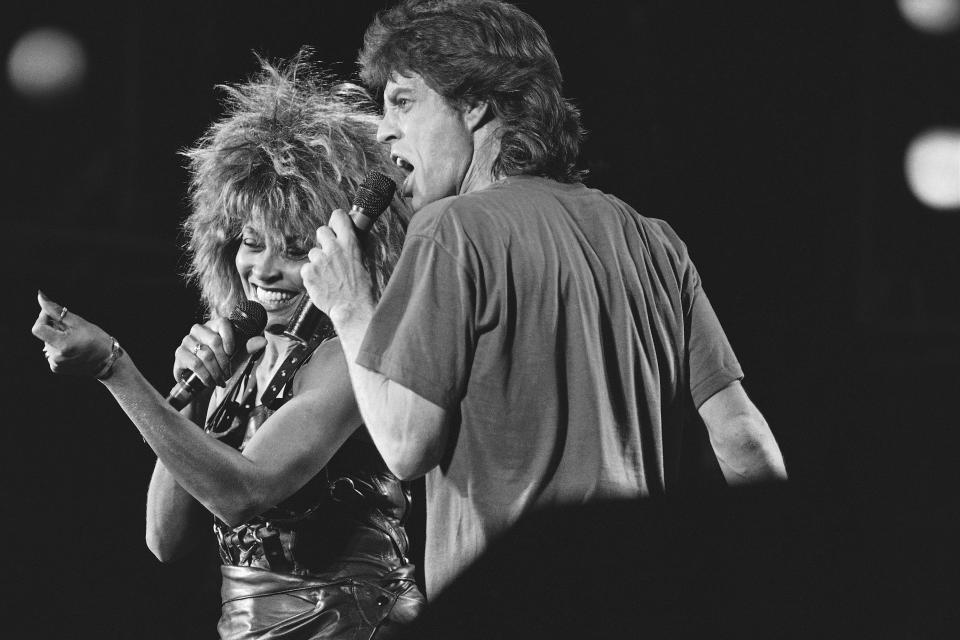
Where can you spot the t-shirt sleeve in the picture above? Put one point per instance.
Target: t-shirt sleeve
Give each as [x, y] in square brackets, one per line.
[713, 365]
[422, 334]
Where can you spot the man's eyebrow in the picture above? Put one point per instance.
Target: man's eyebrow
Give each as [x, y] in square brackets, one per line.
[392, 94]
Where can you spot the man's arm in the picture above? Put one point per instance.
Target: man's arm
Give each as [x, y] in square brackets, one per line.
[741, 438]
[409, 431]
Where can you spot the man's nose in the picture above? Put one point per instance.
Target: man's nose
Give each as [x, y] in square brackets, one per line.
[387, 129]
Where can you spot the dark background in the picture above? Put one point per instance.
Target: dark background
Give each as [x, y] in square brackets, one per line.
[770, 135]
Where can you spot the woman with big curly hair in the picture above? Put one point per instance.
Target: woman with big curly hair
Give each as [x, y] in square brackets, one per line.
[308, 519]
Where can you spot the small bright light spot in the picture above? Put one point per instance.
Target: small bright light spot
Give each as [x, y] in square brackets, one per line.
[46, 63]
[932, 16]
[933, 168]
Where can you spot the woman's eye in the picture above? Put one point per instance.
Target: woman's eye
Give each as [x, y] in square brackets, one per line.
[252, 243]
[297, 253]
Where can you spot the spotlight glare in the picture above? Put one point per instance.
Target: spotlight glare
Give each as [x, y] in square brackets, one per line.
[46, 63]
[932, 165]
[931, 16]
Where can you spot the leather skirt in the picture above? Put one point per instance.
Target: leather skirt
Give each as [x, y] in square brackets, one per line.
[265, 604]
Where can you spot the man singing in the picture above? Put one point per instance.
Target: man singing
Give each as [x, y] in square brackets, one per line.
[540, 342]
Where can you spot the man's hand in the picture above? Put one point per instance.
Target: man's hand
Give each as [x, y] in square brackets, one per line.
[335, 278]
[71, 344]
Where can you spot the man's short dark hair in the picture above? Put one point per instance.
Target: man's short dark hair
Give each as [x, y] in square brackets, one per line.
[483, 50]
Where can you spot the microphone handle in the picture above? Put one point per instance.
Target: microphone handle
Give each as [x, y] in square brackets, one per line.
[182, 393]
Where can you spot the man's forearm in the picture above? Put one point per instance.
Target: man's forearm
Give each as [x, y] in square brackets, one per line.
[409, 431]
[741, 438]
[753, 456]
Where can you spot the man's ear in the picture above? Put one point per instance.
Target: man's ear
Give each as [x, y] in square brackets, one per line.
[477, 114]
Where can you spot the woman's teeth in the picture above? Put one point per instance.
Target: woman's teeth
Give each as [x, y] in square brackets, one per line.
[273, 297]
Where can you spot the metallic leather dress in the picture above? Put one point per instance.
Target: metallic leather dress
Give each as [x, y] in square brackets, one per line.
[331, 560]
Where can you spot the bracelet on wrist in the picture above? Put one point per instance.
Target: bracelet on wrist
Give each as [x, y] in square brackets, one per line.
[115, 352]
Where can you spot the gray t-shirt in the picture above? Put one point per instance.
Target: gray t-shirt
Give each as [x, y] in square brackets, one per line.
[571, 335]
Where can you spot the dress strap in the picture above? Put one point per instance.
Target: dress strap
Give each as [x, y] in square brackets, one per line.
[226, 422]
[299, 354]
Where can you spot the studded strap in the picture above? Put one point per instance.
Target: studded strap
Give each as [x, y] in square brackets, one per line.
[294, 360]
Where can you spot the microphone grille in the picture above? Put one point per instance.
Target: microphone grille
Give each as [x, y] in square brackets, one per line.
[249, 319]
[374, 194]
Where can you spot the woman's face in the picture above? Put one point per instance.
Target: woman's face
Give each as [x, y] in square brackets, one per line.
[271, 275]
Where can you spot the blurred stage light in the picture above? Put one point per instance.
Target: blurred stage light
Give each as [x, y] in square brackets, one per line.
[931, 16]
[932, 165]
[46, 64]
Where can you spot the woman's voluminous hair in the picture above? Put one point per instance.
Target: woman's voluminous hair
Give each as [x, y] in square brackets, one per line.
[483, 50]
[289, 149]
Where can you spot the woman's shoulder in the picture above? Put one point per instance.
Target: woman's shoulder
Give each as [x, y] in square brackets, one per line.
[325, 363]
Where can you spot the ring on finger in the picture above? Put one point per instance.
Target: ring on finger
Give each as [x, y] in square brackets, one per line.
[197, 349]
[63, 312]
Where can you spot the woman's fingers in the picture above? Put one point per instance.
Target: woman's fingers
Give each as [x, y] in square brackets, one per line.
[43, 330]
[206, 351]
[225, 330]
[51, 317]
[256, 343]
[49, 307]
[187, 361]
[213, 352]
[201, 352]
[72, 345]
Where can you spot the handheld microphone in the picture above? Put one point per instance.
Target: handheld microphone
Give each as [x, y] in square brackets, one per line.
[372, 198]
[247, 320]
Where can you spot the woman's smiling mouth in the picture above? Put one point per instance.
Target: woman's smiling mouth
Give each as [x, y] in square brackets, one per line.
[273, 298]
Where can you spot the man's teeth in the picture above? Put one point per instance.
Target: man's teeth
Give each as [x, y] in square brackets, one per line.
[403, 164]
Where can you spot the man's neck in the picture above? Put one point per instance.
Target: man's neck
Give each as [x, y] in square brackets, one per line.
[486, 148]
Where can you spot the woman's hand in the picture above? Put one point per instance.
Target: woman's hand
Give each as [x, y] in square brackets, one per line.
[206, 351]
[72, 345]
[209, 350]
